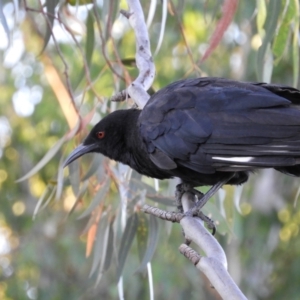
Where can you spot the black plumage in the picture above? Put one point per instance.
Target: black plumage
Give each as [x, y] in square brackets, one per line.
[204, 131]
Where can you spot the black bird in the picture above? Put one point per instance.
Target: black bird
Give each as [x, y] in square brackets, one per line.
[206, 131]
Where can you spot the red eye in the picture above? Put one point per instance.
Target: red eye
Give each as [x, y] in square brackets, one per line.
[100, 134]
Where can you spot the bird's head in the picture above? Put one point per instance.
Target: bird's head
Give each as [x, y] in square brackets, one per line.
[106, 137]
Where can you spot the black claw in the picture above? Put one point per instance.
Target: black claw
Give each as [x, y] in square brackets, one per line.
[208, 221]
[214, 231]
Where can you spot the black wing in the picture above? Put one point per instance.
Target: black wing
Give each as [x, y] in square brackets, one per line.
[214, 124]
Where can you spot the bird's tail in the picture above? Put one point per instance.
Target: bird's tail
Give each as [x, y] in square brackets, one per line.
[290, 170]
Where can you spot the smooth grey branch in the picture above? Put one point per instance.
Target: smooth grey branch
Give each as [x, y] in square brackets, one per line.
[214, 264]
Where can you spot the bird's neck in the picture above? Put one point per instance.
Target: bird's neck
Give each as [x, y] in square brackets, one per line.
[127, 142]
[130, 149]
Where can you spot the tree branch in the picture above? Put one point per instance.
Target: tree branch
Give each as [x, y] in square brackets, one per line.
[137, 90]
[214, 264]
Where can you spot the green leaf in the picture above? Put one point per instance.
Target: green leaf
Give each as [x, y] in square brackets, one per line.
[90, 39]
[60, 179]
[79, 196]
[79, 2]
[270, 27]
[48, 156]
[126, 242]
[169, 201]
[89, 47]
[129, 62]
[74, 175]
[296, 45]
[237, 197]
[110, 10]
[107, 251]
[280, 42]
[94, 166]
[97, 199]
[152, 194]
[39, 206]
[110, 247]
[50, 5]
[142, 234]
[211, 210]
[151, 244]
[162, 26]
[261, 15]
[98, 246]
[151, 12]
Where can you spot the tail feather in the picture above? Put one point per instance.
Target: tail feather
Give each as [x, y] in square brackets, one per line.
[290, 170]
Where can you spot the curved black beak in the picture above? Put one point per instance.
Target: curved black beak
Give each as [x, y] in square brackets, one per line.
[79, 151]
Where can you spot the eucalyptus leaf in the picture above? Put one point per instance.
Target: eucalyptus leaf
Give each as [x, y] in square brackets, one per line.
[95, 164]
[152, 194]
[98, 246]
[126, 242]
[212, 211]
[169, 201]
[142, 235]
[48, 156]
[74, 175]
[163, 25]
[105, 239]
[50, 5]
[82, 191]
[296, 45]
[270, 28]
[97, 199]
[151, 243]
[110, 247]
[261, 15]
[90, 39]
[60, 180]
[151, 13]
[41, 200]
[280, 41]
[89, 47]
[80, 2]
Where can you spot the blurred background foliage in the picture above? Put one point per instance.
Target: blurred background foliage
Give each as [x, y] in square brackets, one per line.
[61, 63]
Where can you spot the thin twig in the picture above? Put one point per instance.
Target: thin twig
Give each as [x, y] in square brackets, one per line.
[103, 44]
[194, 65]
[85, 65]
[66, 68]
[27, 8]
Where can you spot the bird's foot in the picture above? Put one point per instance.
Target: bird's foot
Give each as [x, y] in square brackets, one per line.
[203, 200]
[183, 188]
[180, 190]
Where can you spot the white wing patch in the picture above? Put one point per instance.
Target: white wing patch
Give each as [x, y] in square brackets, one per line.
[234, 159]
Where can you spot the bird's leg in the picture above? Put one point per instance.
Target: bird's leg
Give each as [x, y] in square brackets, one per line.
[178, 194]
[180, 190]
[202, 201]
